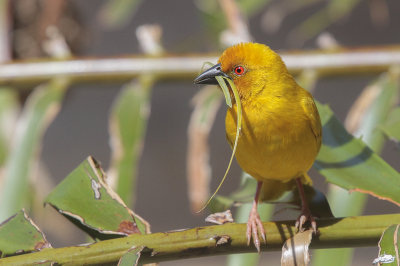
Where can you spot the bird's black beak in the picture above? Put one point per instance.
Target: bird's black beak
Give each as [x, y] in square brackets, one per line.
[208, 76]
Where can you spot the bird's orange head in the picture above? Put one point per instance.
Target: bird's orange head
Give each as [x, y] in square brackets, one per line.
[252, 67]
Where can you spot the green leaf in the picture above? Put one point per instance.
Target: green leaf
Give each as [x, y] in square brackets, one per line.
[370, 110]
[9, 108]
[317, 201]
[244, 194]
[225, 90]
[132, 257]
[117, 13]
[251, 7]
[85, 198]
[349, 163]
[214, 18]
[386, 88]
[392, 126]
[128, 121]
[40, 109]
[19, 234]
[333, 11]
[389, 247]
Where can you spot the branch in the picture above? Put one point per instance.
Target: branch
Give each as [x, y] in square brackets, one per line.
[341, 62]
[203, 241]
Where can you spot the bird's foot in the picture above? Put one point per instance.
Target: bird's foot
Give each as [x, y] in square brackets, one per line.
[303, 218]
[255, 228]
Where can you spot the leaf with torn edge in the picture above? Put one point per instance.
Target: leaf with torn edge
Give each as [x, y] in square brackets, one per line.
[367, 113]
[19, 234]
[349, 163]
[295, 250]
[220, 217]
[131, 257]
[128, 122]
[85, 198]
[389, 247]
[41, 107]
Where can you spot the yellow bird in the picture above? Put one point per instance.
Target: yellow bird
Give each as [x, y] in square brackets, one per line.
[281, 128]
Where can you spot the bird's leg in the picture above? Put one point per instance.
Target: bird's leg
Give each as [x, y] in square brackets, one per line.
[254, 224]
[305, 211]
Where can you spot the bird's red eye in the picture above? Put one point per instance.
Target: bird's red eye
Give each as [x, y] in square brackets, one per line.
[239, 70]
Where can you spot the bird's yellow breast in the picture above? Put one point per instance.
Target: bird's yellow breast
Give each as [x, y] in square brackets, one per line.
[280, 136]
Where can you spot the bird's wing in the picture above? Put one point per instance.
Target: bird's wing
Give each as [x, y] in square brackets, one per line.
[310, 109]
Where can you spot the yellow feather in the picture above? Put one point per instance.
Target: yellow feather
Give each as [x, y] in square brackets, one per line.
[281, 128]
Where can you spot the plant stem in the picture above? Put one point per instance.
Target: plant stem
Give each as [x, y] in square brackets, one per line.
[202, 241]
[340, 62]
[265, 211]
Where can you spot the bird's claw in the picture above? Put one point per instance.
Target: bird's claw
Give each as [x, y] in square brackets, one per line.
[303, 218]
[254, 229]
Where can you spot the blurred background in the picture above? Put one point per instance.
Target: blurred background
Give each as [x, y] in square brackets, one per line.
[108, 28]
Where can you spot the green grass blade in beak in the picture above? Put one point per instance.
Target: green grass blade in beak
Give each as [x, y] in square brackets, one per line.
[225, 90]
[209, 76]
[221, 81]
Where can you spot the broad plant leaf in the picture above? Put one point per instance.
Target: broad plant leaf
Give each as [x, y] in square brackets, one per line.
[317, 201]
[392, 126]
[373, 107]
[368, 112]
[244, 194]
[389, 247]
[39, 111]
[85, 198]
[117, 13]
[349, 163]
[19, 234]
[9, 108]
[295, 250]
[128, 122]
[132, 257]
[211, 13]
[319, 20]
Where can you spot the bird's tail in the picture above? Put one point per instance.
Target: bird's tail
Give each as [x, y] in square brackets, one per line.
[272, 189]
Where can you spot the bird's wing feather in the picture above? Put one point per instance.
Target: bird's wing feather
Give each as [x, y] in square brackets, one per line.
[310, 109]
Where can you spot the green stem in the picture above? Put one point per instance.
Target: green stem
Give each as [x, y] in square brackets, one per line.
[202, 241]
[265, 212]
